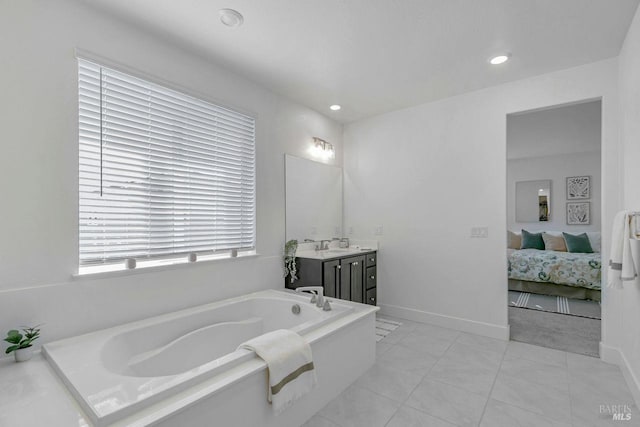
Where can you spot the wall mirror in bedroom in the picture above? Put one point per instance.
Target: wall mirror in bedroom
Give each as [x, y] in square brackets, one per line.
[313, 199]
[554, 266]
[533, 201]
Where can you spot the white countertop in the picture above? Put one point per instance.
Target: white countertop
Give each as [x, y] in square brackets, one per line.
[332, 253]
[306, 250]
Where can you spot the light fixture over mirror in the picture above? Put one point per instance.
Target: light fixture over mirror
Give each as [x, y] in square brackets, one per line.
[323, 149]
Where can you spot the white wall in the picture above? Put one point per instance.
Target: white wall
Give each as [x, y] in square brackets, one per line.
[573, 128]
[555, 168]
[429, 173]
[622, 334]
[38, 171]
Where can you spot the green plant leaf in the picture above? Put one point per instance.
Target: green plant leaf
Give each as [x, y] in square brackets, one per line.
[11, 348]
[31, 335]
[14, 339]
[26, 343]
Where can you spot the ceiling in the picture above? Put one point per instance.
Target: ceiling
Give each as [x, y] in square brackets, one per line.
[373, 56]
[567, 129]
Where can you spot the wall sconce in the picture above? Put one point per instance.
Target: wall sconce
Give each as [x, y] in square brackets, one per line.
[322, 148]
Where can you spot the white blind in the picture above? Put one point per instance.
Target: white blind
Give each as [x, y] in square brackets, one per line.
[161, 173]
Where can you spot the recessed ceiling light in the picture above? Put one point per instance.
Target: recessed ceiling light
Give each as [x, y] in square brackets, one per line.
[335, 107]
[231, 18]
[500, 59]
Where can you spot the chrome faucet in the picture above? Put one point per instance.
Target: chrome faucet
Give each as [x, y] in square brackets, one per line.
[318, 294]
[324, 244]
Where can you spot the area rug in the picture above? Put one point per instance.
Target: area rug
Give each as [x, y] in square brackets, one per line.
[568, 333]
[554, 304]
[384, 327]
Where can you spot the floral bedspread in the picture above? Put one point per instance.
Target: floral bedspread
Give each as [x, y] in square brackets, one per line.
[581, 270]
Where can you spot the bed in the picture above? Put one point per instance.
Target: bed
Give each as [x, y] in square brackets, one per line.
[573, 275]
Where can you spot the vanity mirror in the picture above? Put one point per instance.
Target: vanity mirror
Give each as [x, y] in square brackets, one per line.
[313, 198]
[533, 201]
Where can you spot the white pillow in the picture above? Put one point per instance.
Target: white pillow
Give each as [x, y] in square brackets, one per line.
[514, 240]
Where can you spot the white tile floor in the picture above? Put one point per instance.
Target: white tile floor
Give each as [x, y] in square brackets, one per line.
[430, 376]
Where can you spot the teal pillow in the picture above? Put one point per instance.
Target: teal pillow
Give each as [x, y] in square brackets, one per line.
[578, 243]
[532, 240]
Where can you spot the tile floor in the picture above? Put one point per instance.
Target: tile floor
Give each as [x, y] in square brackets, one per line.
[431, 376]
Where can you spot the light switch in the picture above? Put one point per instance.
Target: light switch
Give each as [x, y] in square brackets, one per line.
[378, 230]
[479, 232]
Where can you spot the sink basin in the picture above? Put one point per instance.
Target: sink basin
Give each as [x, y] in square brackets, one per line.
[338, 250]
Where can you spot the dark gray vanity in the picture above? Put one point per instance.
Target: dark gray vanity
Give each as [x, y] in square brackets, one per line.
[349, 276]
[313, 212]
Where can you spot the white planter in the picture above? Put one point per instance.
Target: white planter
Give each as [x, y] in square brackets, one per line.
[23, 354]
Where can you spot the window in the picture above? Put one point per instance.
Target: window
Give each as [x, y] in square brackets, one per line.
[162, 174]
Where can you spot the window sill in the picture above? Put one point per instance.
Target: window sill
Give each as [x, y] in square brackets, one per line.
[119, 270]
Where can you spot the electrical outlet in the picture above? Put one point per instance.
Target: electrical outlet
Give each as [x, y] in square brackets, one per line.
[479, 232]
[378, 230]
[351, 229]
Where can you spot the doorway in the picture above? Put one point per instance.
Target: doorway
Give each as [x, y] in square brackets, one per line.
[554, 226]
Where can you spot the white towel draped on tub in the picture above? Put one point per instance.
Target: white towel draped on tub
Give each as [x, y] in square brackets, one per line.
[621, 266]
[289, 364]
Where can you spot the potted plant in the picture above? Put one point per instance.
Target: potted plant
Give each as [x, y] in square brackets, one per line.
[22, 342]
[290, 268]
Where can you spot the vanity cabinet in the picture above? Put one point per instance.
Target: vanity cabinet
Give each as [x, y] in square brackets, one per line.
[352, 277]
[330, 277]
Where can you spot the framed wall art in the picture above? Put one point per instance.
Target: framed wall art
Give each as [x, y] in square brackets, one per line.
[578, 187]
[578, 213]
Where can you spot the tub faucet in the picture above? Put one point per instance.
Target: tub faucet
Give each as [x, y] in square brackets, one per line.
[318, 294]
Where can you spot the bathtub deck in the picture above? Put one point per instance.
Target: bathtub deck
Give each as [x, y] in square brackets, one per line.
[33, 384]
[53, 402]
[36, 385]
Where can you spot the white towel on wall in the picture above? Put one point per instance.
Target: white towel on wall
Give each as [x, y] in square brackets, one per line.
[291, 373]
[621, 265]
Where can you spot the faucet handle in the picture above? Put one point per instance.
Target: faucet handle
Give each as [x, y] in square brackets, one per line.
[326, 306]
[314, 298]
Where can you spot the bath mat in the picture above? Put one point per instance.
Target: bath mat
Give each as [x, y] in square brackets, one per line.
[384, 327]
[554, 304]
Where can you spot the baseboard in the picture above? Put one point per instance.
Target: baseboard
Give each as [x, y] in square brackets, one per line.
[465, 325]
[614, 355]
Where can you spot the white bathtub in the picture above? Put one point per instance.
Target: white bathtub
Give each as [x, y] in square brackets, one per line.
[159, 369]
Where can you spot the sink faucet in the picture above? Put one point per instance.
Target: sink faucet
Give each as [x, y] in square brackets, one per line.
[324, 244]
[318, 294]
